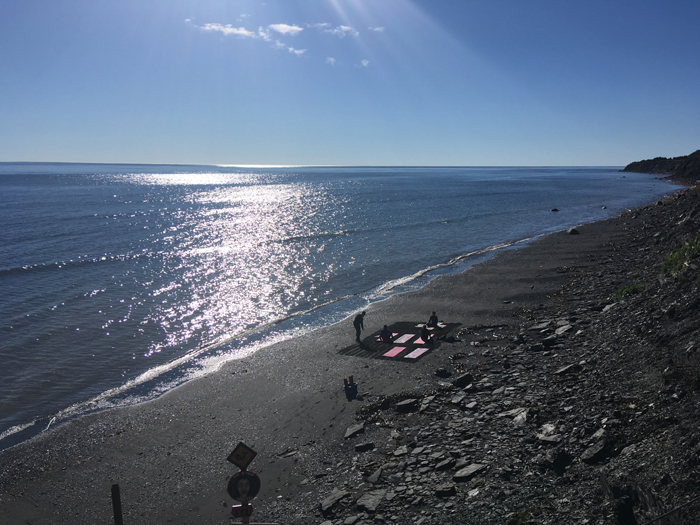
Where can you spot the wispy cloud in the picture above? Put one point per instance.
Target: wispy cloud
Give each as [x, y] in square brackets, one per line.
[286, 29]
[266, 34]
[228, 29]
[342, 31]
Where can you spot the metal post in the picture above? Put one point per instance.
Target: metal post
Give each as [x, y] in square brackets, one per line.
[245, 519]
[117, 505]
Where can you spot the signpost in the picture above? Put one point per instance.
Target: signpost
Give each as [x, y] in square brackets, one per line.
[241, 456]
[244, 485]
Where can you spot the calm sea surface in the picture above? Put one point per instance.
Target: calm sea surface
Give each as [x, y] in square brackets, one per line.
[119, 282]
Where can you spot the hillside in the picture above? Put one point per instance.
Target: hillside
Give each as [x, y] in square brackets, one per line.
[685, 169]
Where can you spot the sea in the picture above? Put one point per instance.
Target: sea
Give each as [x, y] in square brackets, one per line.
[119, 282]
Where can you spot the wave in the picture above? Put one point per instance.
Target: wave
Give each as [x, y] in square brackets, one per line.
[41, 267]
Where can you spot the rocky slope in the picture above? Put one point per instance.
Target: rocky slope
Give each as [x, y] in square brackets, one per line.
[584, 410]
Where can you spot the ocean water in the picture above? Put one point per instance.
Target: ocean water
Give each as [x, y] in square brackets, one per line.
[119, 282]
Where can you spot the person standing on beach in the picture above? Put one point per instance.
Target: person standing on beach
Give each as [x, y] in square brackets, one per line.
[358, 323]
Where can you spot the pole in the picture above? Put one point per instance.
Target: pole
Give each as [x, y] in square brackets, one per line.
[246, 518]
[117, 505]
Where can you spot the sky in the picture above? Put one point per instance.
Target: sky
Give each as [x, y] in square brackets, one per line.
[349, 82]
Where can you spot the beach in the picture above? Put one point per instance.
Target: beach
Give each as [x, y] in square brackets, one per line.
[287, 403]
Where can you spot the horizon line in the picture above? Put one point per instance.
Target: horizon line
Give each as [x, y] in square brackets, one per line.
[259, 166]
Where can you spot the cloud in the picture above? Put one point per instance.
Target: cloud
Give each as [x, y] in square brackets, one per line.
[265, 35]
[377, 29]
[341, 31]
[330, 61]
[297, 52]
[286, 29]
[229, 30]
[364, 62]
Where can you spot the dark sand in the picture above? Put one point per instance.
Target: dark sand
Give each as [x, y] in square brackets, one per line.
[169, 455]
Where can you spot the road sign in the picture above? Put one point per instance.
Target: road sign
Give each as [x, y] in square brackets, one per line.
[242, 455]
[242, 511]
[243, 485]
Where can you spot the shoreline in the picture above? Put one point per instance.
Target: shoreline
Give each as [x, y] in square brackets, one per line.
[285, 401]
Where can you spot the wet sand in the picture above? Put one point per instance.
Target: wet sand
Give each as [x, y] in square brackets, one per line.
[169, 455]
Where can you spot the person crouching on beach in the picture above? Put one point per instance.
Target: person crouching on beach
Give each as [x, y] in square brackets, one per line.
[385, 335]
[358, 323]
[425, 335]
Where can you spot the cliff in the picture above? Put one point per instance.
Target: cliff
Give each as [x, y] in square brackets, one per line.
[685, 169]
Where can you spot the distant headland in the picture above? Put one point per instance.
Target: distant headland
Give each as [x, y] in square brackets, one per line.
[685, 170]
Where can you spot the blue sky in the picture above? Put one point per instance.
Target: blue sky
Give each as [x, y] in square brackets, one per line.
[349, 82]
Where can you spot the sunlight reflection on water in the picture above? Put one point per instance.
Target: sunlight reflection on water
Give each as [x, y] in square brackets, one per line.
[243, 255]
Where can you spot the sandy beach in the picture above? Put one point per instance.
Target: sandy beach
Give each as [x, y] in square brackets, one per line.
[286, 402]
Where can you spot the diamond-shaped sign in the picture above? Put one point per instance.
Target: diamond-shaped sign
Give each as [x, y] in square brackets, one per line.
[242, 455]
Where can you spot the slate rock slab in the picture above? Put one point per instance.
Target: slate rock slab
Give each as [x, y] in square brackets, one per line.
[468, 472]
[354, 430]
[371, 500]
[332, 499]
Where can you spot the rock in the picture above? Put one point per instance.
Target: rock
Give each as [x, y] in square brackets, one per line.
[446, 464]
[332, 499]
[609, 307]
[463, 380]
[426, 401]
[557, 459]
[401, 451]
[549, 341]
[572, 231]
[468, 472]
[374, 477]
[555, 209]
[512, 413]
[408, 405]
[568, 369]
[371, 500]
[520, 419]
[538, 347]
[458, 398]
[547, 434]
[351, 520]
[364, 447]
[442, 372]
[595, 453]
[445, 490]
[563, 329]
[354, 430]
